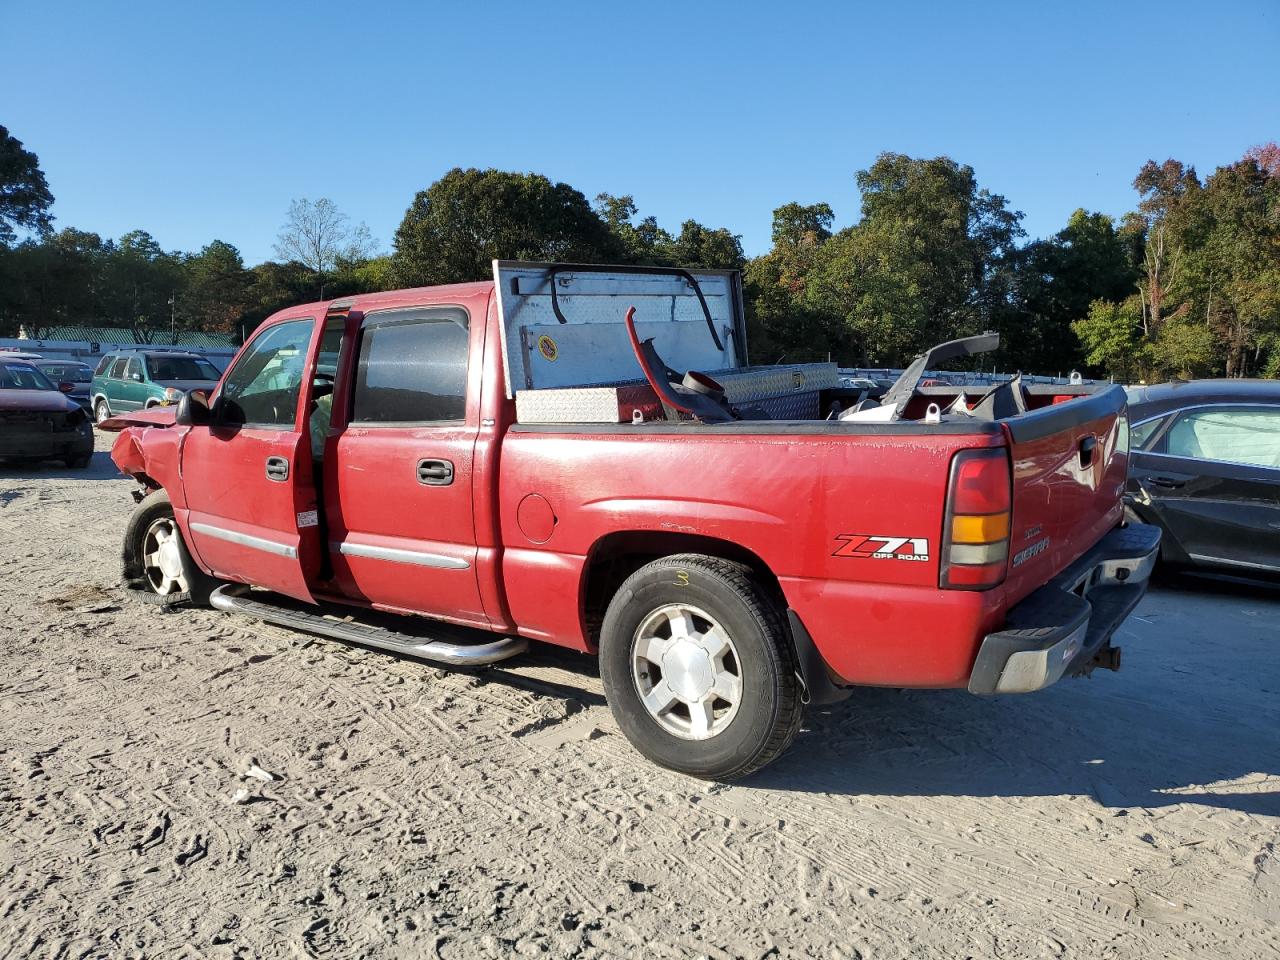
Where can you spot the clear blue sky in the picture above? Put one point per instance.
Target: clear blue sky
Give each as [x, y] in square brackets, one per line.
[202, 121]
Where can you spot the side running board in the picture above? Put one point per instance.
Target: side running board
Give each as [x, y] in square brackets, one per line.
[235, 598]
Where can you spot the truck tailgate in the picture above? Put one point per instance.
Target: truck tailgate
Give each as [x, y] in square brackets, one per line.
[1069, 466]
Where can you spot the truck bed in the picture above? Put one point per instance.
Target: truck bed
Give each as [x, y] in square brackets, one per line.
[785, 492]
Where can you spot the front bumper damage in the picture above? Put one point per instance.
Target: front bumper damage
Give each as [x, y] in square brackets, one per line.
[1065, 627]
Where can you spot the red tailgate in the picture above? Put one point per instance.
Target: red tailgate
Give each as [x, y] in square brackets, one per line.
[1069, 464]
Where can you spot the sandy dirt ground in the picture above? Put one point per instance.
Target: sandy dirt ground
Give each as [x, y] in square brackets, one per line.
[416, 812]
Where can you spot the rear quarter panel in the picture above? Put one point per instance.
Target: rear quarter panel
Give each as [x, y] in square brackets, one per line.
[800, 502]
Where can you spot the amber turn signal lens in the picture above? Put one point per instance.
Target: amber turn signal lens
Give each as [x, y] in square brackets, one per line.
[984, 528]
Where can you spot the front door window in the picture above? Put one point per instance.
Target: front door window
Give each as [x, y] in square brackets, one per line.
[262, 389]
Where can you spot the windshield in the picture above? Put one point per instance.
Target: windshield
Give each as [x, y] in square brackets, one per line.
[181, 368]
[70, 372]
[21, 376]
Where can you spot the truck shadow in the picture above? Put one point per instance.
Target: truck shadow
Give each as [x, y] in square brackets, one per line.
[1192, 718]
[948, 743]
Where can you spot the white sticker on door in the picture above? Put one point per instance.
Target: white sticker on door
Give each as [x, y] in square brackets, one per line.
[308, 518]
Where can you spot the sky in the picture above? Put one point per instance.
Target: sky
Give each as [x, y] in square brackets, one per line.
[201, 121]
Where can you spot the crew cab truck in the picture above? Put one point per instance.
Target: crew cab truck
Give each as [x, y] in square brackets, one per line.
[518, 457]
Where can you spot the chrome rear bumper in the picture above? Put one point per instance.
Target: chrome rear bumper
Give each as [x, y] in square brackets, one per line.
[1065, 627]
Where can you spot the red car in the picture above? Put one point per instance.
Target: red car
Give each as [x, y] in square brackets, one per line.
[732, 542]
[38, 420]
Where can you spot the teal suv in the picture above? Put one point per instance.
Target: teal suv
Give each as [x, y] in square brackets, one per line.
[127, 380]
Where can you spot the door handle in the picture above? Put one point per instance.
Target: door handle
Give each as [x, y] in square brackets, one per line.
[1087, 446]
[277, 469]
[1167, 483]
[435, 473]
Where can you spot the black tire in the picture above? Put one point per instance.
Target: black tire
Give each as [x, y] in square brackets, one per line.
[101, 410]
[155, 507]
[770, 709]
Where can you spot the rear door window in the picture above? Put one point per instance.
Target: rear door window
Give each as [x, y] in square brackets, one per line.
[1248, 436]
[412, 367]
[181, 368]
[1140, 435]
[117, 368]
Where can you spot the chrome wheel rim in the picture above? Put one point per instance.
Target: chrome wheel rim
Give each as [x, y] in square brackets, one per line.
[687, 671]
[162, 558]
[100, 411]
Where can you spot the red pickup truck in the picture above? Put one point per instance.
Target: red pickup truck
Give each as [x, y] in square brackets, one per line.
[516, 456]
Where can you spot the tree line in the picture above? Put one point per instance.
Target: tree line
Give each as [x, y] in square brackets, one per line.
[1187, 284]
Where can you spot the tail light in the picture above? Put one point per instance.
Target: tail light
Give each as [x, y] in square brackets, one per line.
[975, 541]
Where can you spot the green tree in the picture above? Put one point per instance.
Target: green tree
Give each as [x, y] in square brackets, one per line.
[1184, 348]
[1164, 189]
[275, 286]
[56, 280]
[1054, 281]
[217, 288]
[642, 242]
[925, 263]
[707, 247]
[1209, 265]
[1112, 337]
[138, 278]
[24, 193]
[780, 321]
[456, 227]
[1230, 279]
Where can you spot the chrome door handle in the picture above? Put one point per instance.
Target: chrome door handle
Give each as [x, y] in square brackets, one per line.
[277, 469]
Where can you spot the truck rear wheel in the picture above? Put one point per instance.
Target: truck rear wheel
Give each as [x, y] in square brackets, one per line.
[155, 561]
[698, 669]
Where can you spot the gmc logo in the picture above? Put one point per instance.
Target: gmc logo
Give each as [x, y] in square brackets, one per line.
[882, 548]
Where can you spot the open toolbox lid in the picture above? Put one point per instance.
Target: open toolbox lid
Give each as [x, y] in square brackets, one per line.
[563, 324]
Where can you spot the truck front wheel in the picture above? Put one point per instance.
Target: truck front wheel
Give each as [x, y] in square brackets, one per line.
[155, 561]
[698, 669]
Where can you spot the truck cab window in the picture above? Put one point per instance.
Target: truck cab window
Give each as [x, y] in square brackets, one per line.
[262, 388]
[412, 367]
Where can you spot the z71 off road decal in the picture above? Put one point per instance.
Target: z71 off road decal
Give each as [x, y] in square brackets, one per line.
[882, 548]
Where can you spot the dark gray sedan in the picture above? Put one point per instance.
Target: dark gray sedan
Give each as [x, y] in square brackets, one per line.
[1204, 466]
[78, 375]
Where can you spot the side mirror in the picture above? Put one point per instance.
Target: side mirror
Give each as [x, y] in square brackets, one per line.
[136, 376]
[193, 409]
[66, 386]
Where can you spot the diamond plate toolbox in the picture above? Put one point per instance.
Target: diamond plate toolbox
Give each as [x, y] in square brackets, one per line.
[588, 404]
